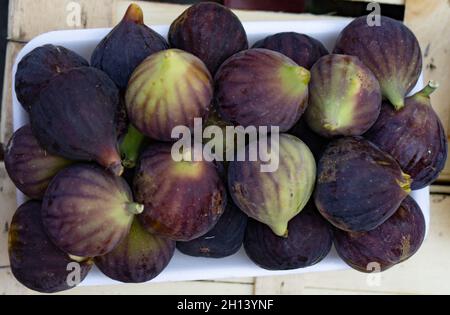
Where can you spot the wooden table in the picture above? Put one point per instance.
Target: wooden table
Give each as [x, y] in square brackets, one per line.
[426, 272]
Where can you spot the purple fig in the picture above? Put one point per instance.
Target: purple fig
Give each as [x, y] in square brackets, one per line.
[30, 167]
[35, 261]
[261, 87]
[210, 31]
[358, 185]
[391, 243]
[390, 50]
[414, 136]
[88, 211]
[344, 97]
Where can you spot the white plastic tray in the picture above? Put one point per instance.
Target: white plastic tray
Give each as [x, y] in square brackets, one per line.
[184, 267]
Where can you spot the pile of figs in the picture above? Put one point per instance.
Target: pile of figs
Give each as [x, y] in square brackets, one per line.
[97, 157]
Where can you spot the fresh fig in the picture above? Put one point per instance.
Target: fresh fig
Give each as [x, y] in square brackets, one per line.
[274, 198]
[308, 242]
[210, 31]
[126, 46]
[391, 243]
[28, 165]
[35, 261]
[316, 143]
[261, 87]
[35, 70]
[183, 200]
[390, 50]
[301, 48]
[75, 117]
[139, 257]
[88, 211]
[358, 185]
[168, 89]
[414, 136]
[344, 97]
[225, 239]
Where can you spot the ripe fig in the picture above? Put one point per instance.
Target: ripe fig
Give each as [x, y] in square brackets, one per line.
[274, 198]
[139, 257]
[358, 185]
[88, 211]
[183, 200]
[308, 242]
[126, 46]
[75, 117]
[168, 89]
[35, 261]
[209, 31]
[391, 243]
[301, 48]
[28, 165]
[36, 69]
[344, 97]
[390, 50]
[261, 87]
[225, 239]
[414, 136]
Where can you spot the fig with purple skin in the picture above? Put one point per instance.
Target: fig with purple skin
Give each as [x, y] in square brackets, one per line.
[308, 242]
[414, 136]
[126, 46]
[390, 50]
[301, 48]
[139, 257]
[391, 243]
[170, 88]
[209, 31]
[75, 117]
[36, 68]
[29, 166]
[183, 200]
[35, 261]
[358, 185]
[344, 97]
[261, 87]
[87, 211]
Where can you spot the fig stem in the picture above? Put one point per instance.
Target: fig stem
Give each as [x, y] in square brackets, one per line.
[134, 208]
[134, 14]
[130, 146]
[428, 89]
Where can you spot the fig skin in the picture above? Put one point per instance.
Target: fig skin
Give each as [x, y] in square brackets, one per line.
[126, 46]
[344, 97]
[88, 211]
[30, 167]
[183, 200]
[138, 258]
[358, 185]
[414, 136]
[261, 87]
[224, 240]
[35, 261]
[301, 48]
[209, 31]
[390, 51]
[37, 68]
[274, 198]
[308, 242]
[171, 81]
[391, 243]
[75, 117]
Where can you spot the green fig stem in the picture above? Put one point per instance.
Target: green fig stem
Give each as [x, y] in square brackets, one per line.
[405, 184]
[78, 259]
[428, 89]
[134, 14]
[130, 146]
[134, 208]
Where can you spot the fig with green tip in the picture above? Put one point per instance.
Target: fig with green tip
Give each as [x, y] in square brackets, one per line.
[274, 198]
[261, 87]
[35, 261]
[390, 50]
[344, 97]
[139, 257]
[88, 211]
